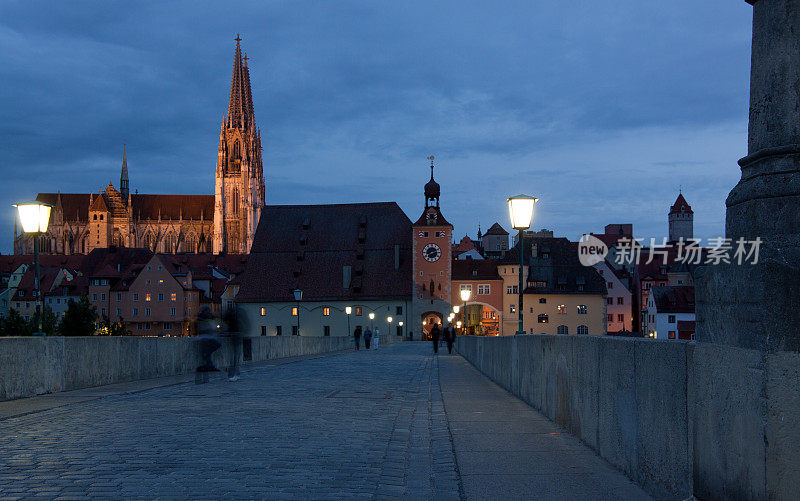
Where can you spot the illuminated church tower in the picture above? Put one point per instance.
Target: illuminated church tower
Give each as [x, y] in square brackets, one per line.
[239, 186]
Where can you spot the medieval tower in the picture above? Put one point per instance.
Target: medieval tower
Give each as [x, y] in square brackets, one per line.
[239, 186]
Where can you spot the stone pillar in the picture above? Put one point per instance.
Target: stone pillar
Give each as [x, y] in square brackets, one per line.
[758, 306]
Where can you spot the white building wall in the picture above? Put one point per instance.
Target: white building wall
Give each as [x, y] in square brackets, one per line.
[313, 319]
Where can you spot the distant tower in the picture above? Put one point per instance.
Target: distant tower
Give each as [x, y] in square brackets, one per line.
[681, 220]
[239, 188]
[432, 260]
[123, 178]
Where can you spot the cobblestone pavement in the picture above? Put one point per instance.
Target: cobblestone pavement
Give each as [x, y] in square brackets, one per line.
[367, 424]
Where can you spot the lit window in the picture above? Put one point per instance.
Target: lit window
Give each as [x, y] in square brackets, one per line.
[672, 334]
[147, 297]
[358, 311]
[174, 296]
[582, 310]
[294, 311]
[542, 318]
[562, 309]
[326, 311]
[160, 280]
[263, 311]
[512, 309]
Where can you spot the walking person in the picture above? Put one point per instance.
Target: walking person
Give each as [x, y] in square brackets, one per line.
[357, 337]
[376, 337]
[367, 338]
[435, 335]
[449, 337]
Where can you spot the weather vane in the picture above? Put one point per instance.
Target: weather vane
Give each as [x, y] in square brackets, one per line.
[431, 159]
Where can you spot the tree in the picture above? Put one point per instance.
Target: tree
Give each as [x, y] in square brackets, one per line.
[14, 325]
[79, 320]
[114, 328]
[49, 321]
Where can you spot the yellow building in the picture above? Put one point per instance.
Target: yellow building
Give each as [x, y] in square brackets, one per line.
[561, 296]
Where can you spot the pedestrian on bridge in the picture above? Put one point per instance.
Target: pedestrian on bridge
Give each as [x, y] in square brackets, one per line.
[436, 333]
[367, 338]
[357, 337]
[449, 337]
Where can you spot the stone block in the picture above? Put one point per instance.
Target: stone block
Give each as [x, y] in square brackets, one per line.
[782, 430]
[730, 410]
[617, 408]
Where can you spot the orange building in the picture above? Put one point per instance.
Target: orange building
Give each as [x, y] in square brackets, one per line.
[483, 312]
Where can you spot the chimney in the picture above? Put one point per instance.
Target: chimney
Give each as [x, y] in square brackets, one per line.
[347, 273]
[396, 257]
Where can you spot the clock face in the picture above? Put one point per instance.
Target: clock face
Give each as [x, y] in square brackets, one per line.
[431, 252]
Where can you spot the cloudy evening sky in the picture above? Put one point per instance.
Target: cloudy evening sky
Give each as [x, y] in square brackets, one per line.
[601, 109]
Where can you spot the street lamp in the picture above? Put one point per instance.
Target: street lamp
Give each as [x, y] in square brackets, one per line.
[298, 296]
[34, 217]
[348, 310]
[371, 318]
[465, 294]
[520, 209]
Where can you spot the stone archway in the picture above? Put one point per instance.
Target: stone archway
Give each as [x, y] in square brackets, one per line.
[429, 319]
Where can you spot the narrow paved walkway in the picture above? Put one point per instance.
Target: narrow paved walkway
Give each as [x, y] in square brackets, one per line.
[368, 424]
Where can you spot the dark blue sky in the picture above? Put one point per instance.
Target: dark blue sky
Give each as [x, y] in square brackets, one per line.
[601, 109]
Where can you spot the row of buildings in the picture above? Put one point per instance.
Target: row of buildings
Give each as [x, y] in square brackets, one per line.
[152, 261]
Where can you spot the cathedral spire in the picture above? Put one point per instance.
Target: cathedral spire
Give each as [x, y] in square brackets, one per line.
[123, 178]
[240, 105]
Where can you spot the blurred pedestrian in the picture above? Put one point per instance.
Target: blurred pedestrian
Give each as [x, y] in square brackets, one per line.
[435, 335]
[208, 337]
[367, 338]
[450, 338]
[357, 336]
[376, 337]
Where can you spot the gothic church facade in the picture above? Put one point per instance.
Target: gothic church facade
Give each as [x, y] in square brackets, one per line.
[224, 222]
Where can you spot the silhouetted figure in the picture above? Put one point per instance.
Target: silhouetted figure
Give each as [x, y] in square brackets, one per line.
[436, 334]
[208, 337]
[357, 337]
[367, 338]
[234, 326]
[449, 337]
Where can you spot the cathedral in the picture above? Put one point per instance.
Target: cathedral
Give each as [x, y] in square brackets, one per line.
[224, 222]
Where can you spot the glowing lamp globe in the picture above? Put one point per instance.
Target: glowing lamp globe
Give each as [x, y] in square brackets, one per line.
[458, 324]
[465, 294]
[389, 319]
[400, 323]
[520, 209]
[372, 316]
[348, 310]
[34, 216]
[456, 309]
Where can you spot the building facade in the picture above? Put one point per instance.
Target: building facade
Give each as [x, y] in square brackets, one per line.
[221, 223]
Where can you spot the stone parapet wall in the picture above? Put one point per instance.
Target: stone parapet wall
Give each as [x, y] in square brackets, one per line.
[37, 365]
[678, 418]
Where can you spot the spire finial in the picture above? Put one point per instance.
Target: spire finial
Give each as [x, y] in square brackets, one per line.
[246, 58]
[431, 159]
[238, 39]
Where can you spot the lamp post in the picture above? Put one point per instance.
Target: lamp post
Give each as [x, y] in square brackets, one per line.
[371, 323]
[34, 217]
[520, 209]
[298, 296]
[348, 310]
[400, 323]
[465, 294]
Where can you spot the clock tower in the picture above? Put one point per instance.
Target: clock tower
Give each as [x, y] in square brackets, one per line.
[432, 254]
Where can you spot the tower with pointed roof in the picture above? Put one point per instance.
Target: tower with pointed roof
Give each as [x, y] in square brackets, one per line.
[681, 220]
[239, 186]
[123, 177]
[432, 260]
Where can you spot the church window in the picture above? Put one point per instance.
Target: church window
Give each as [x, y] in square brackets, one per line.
[95, 217]
[237, 154]
[101, 217]
[235, 202]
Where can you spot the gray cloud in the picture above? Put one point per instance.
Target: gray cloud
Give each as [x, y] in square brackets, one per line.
[592, 107]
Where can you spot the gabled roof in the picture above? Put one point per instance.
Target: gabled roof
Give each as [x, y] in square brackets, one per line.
[495, 229]
[439, 217]
[554, 267]
[466, 244]
[475, 269]
[680, 205]
[308, 247]
[76, 206]
[673, 299]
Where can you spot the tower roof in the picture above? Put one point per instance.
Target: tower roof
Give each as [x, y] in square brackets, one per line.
[432, 189]
[124, 164]
[680, 205]
[240, 105]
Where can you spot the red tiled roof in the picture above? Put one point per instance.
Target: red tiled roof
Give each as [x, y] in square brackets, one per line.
[496, 229]
[475, 269]
[674, 299]
[680, 205]
[466, 244]
[309, 246]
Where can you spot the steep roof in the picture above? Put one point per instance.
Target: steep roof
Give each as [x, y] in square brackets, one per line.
[496, 229]
[240, 105]
[475, 269]
[466, 244]
[554, 267]
[674, 299]
[76, 205]
[309, 246]
[680, 205]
